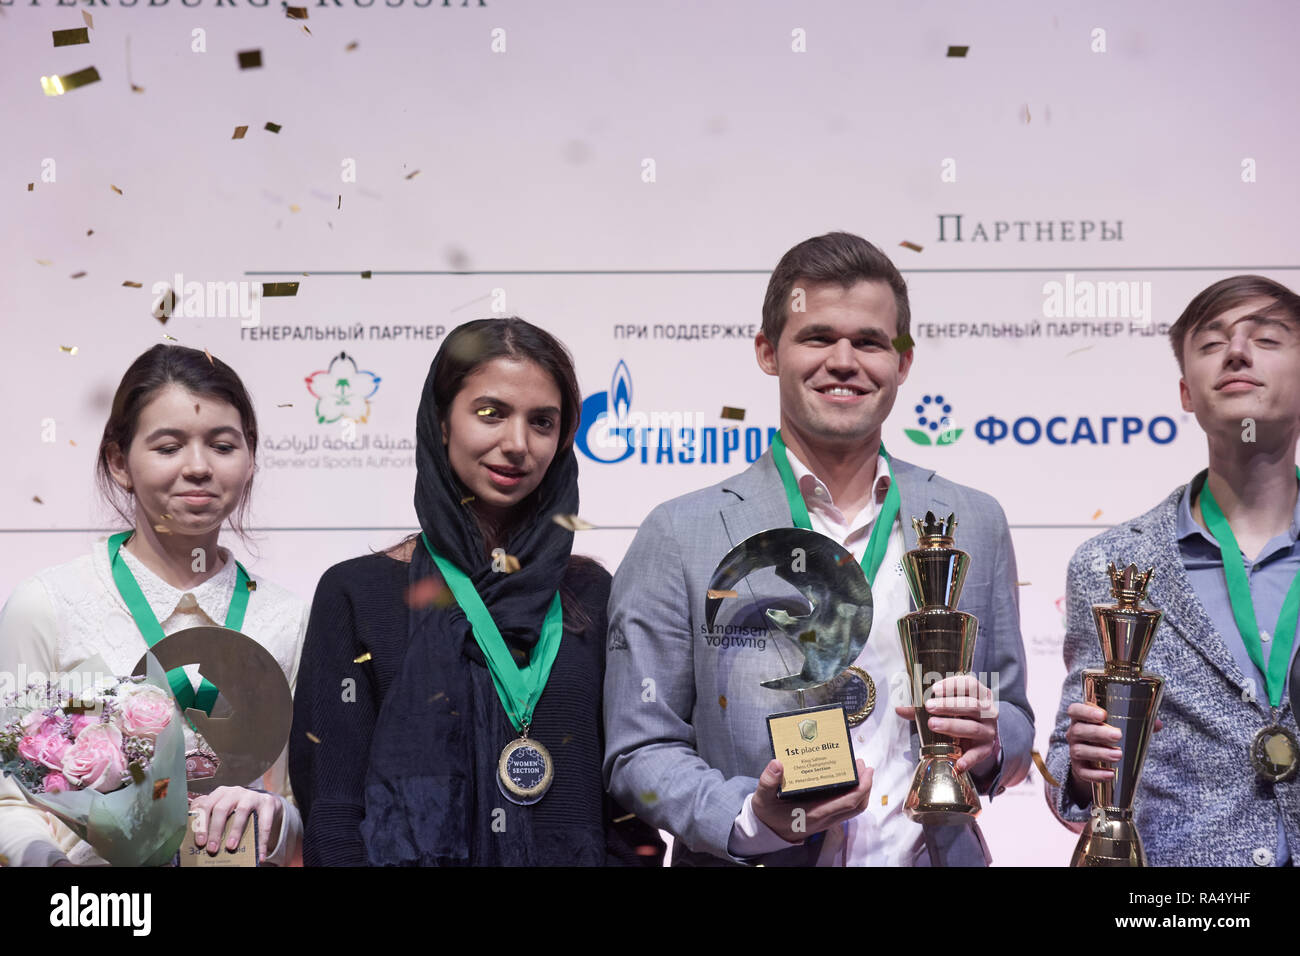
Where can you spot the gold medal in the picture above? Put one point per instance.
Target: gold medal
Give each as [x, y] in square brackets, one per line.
[525, 770]
[857, 692]
[1275, 754]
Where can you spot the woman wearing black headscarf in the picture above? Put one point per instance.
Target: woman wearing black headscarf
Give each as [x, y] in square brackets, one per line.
[449, 697]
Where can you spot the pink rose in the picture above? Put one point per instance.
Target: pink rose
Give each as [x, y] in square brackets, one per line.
[56, 783]
[36, 723]
[95, 761]
[80, 722]
[29, 748]
[146, 713]
[45, 749]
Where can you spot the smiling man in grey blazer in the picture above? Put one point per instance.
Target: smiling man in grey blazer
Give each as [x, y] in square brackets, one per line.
[687, 744]
[1221, 786]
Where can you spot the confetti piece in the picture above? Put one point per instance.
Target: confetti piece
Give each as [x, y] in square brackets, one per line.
[167, 517]
[437, 696]
[31, 186]
[1042, 768]
[239, 132]
[467, 499]
[511, 563]
[250, 59]
[312, 737]
[162, 529]
[136, 89]
[647, 850]
[910, 245]
[90, 232]
[163, 308]
[413, 174]
[903, 343]
[1096, 514]
[71, 37]
[1022, 584]
[649, 796]
[137, 772]
[273, 127]
[294, 207]
[722, 701]
[957, 50]
[624, 818]
[714, 593]
[808, 637]
[90, 21]
[733, 414]
[366, 274]
[78, 275]
[132, 285]
[37, 499]
[884, 799]
[295, 13]
[285, 405]
[340, 206]
[362, 659]
[160, 788]
[351, 46]
[429, 592]
[305, 30]
[572, 523]
[44, 262]
[4, 860]
[252, 585]
[1027, 116]
[270, 289]
[58, 85]
[171, 338]
[209, 355]
[567, 738]
[70, 349]
[115, 189]
[72, 443]
[1077, 351]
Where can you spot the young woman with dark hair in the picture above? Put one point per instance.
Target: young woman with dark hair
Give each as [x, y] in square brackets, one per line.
[176, 460]
[449, 705]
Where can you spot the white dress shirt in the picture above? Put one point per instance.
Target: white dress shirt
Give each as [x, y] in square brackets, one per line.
[881, 835]
[69, 613]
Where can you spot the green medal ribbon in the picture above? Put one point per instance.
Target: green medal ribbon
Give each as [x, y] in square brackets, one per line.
[152, 631]
[518, 687]
[878, 543]
[1243, 610]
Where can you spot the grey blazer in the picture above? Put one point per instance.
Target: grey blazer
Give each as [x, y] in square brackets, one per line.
[685, 717]
[1199, 802]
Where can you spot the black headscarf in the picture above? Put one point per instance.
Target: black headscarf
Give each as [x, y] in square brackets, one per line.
[431, 787]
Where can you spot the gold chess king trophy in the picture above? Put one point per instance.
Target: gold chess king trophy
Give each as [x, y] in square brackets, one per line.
[1130, 699]
[938, 640]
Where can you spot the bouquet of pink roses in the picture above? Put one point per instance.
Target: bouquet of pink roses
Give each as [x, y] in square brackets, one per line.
[104, 762]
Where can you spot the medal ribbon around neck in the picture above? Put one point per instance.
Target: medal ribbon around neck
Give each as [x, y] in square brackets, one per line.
[152, 631]
[1243, 610]
[878, 543]
[518, 687]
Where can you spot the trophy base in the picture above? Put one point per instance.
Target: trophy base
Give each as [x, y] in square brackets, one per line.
[940, 795]
[1113, 843]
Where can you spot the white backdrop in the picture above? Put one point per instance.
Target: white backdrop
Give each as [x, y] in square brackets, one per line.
[604, 169]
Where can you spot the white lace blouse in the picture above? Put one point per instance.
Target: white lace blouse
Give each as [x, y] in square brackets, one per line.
[66, 614]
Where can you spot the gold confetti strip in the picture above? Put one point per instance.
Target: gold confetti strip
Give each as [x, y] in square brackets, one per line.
[958, 50]
[624, 818]
[413, 174]
[209, 355]
[733, 414]
[170, 337]
[438, 695]
[270, 289]
[884, 799]
[163, 308]
[44, 262]
[70, 349]
[273, 127]
[1027, 116]
[910, 245]
[340, 206]
[250, 59]
[115, 189]
[252, 585]
[71, 37]
[58, 85]
[567, 738]
[511, 563]
[366, 274]
[239, 132]
[903, 343]
[162, 529]
[90, 21]
[312, 737]
[1022, 584]
[1096, 514]
[294, 207]
[572, 523]
[362, 659]
[467, 499]
[649, 796]
[285, 405]
[167, 517]
[31, 186]
[160, 788]
[722, 701]
[1042, 768]
[305, 30]
[808, 637]
[128, 284]
[90, 232]
[72, 443]
[296, 13]
[37, 499]
[78, 275]
[715, 593]
[1077, 351]
[136, 89]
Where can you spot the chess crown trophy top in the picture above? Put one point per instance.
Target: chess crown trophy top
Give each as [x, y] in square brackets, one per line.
[935, 569]
[1125, 628]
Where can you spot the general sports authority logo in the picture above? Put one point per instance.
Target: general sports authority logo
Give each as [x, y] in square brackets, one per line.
[935, 428]
[342, 390]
